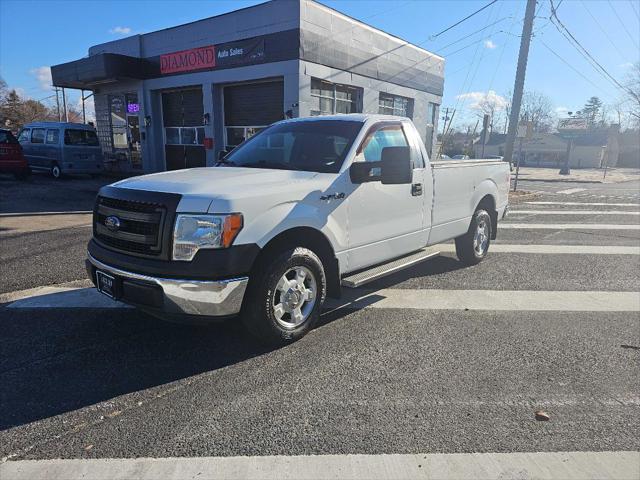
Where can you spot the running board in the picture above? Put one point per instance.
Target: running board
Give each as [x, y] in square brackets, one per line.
[374, 273]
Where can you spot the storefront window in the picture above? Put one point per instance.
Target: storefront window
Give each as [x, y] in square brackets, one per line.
[328, 98]
[395, 105]
[237, 135]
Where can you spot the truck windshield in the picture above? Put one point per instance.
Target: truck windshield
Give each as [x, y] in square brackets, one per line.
[315, 146]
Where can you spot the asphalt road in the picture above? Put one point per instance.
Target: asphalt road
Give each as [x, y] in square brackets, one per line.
[110, 383]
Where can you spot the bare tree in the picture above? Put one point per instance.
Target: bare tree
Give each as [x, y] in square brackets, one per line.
[536, 108]
[633, 92]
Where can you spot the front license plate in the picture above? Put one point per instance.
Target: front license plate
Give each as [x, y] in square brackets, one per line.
[106, 284]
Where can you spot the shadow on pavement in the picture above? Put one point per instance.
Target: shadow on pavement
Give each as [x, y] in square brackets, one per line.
[57, 360]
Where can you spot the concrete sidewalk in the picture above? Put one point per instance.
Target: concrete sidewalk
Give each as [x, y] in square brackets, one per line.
[578, 175]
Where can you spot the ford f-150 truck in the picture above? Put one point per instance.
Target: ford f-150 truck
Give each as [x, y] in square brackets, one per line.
[292, 215]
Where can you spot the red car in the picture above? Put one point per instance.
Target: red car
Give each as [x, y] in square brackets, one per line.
[11, 158]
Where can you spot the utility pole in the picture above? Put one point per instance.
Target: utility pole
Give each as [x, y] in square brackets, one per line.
[64, 104]
[518, 88]
[58, 104]
[84, 116]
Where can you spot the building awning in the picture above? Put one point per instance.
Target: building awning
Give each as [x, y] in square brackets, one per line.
[103, 68]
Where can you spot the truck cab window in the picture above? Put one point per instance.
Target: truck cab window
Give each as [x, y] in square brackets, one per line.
[387, 136]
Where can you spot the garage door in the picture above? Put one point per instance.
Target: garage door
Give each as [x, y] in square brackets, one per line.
[182, 117]
[248, 108]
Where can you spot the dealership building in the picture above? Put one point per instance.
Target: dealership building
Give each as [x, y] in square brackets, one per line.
[173, 98]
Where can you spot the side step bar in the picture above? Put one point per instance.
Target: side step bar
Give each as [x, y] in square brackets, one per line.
[358, 279]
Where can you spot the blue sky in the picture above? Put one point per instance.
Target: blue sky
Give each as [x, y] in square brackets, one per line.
[36, 34]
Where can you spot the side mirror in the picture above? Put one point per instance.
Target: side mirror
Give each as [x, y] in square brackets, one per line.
[396, 166]
[361, 172]
[222, 154]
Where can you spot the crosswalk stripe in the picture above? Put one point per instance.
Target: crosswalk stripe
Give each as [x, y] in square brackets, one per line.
[567, 226]
[420, 299]
[554, 249]
[514, 300]
[619, 465]
[589, 204]
[573, 212]
[572, 190]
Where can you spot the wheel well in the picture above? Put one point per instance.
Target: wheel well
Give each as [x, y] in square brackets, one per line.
[315, 241]
[489, 203]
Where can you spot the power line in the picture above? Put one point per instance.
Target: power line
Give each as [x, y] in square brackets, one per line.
[602, 29]
[472, 34]
[585, 53]
[463, 20]
[634, 10]
[615, 12]
[568, 64]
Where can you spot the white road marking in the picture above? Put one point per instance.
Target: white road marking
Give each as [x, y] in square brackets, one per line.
[573, 212]
[60, 297]
[41, 223]
[494, 300]
[554, 249]
[459, 466]
[420, 299]
[586, 204]
[572, 190]
[567, 226]
[30, 214]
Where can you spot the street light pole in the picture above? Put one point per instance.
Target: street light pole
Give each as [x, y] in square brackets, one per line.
[518, 88]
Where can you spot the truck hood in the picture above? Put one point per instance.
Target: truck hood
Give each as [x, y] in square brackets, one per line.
[220, 188]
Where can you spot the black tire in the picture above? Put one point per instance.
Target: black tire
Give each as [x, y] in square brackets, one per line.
[470, 249]
[56, 171]
[258, 312]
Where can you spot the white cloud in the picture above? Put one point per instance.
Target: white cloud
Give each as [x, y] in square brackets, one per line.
[479, 99]
[43, 75]
[489, 44]
[120, 31]
[626, 65]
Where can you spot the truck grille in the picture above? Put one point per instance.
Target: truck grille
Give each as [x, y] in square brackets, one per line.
[139, 229]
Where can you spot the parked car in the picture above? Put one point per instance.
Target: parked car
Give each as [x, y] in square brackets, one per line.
[460, 157]
[61, 148]
[444, 157]
[11, 157]
[290, 216]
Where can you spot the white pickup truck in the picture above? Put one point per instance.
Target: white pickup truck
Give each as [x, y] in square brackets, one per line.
[292, 215]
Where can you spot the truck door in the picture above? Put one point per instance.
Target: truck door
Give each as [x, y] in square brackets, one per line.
[385, 221]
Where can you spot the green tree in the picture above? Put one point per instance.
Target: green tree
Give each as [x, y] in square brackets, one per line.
[591, 110]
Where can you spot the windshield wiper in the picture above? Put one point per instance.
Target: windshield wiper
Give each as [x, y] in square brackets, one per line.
[224, 161]
[274, 165]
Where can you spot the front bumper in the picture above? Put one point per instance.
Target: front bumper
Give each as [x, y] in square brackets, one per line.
[176, 297]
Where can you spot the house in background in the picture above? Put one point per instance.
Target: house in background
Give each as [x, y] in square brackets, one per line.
[629, 149]
[593, 149]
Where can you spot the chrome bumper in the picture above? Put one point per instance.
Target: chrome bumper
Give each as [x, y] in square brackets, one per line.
[219, 298]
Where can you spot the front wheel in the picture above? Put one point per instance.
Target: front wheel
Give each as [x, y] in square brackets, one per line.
[472, 247]
[285, 297]
[55, 171]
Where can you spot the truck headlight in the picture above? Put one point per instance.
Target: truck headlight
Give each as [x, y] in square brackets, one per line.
[194, 232]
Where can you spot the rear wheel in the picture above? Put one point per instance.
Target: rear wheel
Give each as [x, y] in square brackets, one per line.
[285, 296]
[472, 247]
[56, 172]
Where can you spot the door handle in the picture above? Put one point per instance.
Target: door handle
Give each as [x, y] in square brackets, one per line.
[416, 189]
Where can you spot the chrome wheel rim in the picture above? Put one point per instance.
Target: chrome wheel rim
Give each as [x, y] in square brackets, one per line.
[294, 297]
[481, 237]
[55, 171]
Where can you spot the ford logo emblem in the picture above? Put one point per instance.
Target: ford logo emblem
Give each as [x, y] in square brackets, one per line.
[112, 223]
